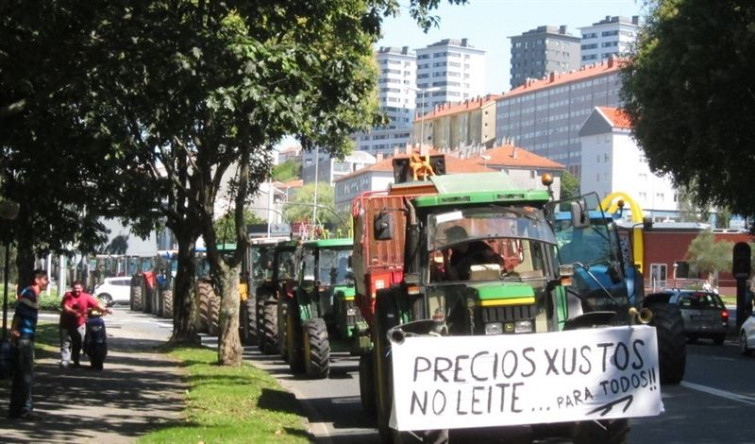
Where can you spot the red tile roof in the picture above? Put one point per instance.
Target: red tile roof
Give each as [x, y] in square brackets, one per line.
[555, 79]
[616, 117]
[296, 183]
[514, 157]
[448, 109]
[453, 166]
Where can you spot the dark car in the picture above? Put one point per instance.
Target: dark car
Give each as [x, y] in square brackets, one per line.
[704, 313]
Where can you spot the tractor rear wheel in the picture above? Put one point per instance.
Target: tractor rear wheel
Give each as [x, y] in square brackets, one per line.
[213, 315]
[316, 349]
[294, 339]
[672, 342]
[269, 336]
[168, 304]
[203, 291]
[249, 326]
[367, 384]
[136, 298]
[282, 317]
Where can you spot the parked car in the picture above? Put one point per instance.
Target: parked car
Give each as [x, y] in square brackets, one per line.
[747, 335]
[114, 290]
[703, 312]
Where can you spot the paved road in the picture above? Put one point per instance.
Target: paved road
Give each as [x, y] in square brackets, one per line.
[714, 404]
[138, 390]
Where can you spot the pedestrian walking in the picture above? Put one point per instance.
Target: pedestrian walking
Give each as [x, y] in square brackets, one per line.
[75, 308]
[23, 331]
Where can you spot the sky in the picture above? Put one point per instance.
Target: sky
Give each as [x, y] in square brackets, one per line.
[488, 24]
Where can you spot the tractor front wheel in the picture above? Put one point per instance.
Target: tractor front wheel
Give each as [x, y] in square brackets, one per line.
[316, 349]
[672, 342]
[269, 337]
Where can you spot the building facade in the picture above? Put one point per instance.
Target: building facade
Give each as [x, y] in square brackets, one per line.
[610, 37]
[470, 123]
[397, 92]
[612, 161]
[448, 71]
[541, 51]
[544, 116]
[329, 169]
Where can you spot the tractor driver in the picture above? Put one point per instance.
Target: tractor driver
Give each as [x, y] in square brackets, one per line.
[465, 254]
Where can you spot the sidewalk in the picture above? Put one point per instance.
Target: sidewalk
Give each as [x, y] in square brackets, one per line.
[138, 390]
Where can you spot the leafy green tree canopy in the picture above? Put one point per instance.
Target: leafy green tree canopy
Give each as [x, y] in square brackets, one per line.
[709, 256]
[300, 208]
[689, 95]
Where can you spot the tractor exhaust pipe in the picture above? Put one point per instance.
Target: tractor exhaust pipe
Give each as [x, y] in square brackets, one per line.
[642, 316]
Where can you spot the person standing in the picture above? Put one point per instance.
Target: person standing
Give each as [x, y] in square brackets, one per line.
[75, 309]
[23, 331]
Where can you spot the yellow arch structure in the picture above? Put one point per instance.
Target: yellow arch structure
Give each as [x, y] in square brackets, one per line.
[611, 205]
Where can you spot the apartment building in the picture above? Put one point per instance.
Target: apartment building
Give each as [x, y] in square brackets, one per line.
[455, 126]
[544, 116]
[612, 161]
[397, 92]
[610, 37]
[450, 70]
[541, 51]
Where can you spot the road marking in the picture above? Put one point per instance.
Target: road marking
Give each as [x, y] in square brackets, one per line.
[721, 393]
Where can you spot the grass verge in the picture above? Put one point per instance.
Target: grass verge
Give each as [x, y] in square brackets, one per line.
[231, 405]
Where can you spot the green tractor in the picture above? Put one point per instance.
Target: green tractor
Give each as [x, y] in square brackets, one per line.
[258, 273]
[481, 260]
[321, 316]
[281, 284]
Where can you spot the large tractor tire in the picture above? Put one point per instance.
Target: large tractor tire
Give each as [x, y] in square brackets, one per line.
[614, 431]
[168, 304]
[203, 292]
[157, 308]
[294, 339]
[269, 336]
[250, 324]
[213, 315]
[367, 384]
[282, 309]
[137, 299]
[316, 349]
[672, 342]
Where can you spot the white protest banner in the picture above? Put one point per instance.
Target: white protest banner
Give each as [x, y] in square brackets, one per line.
[479, 381]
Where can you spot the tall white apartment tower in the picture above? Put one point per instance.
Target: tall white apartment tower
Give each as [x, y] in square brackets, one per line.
[452, 66]
[397, 90]
[397, 84]
[612, 36]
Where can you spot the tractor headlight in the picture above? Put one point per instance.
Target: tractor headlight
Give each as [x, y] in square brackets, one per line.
[493, 328]
[523, 327]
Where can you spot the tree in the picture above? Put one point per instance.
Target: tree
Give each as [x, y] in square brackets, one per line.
[185, 94]
[287, 170]
[689, 95]
[226, 225]
[569, 186]
[709, 256]
[300, 208]
[52, 162]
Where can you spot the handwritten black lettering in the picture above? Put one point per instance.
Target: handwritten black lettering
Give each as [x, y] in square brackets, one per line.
[472, 366]
[476, 400]
[447, 364]
[458, 368]
[621, 356]
[604, 346]
[586, 366]
[551, 362]
[511, 357]
[426, 364]
[639, 363]
[420, 403]
[526, 355]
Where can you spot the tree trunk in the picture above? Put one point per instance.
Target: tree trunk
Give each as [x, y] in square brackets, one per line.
[230, 351]
[184, 300]
[25, 263]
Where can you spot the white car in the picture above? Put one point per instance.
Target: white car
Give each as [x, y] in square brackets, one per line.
[747, 335]
[114, 290]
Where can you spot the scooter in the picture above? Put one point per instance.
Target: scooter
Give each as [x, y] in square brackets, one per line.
[95, 339]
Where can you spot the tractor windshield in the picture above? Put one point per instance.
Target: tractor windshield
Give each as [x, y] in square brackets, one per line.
[489, 243]
[334, 267]
[449, 228]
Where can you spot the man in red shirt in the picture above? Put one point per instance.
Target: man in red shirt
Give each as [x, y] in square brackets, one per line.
[75, 309]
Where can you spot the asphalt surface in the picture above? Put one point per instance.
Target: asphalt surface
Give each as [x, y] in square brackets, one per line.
[138, 390]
